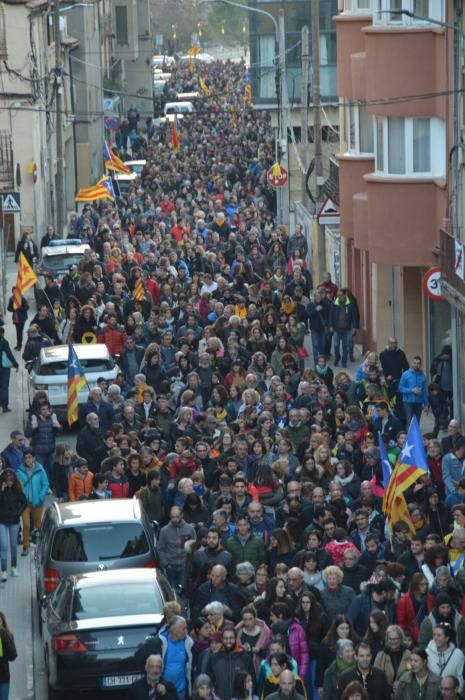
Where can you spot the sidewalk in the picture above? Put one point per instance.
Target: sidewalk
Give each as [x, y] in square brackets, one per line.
[16, 601]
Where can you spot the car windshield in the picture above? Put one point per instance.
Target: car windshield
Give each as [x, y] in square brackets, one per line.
[99, 542]
[61, 262]
[55, 369]
[115, 600]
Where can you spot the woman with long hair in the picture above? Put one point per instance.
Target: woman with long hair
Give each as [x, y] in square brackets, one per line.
[414, 606]
[243, 686]
[12, 504]
[315, 623]
[253, 634]
[341, 628]
[8, 647]
[285, 623]
[375, 635]
[61, 471]
[275, 592]
[419, 681]
[280, 549]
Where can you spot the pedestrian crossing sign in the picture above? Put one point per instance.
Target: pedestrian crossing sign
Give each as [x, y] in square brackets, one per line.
[11, 202]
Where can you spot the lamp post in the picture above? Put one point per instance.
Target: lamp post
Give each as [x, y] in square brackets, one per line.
[280, 65]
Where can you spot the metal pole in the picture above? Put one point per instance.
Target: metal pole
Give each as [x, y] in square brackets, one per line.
[283, 192]
[304, 107]
[59, 187]
[317, 126]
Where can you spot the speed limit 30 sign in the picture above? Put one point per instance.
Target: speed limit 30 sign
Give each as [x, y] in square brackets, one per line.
[431, 284]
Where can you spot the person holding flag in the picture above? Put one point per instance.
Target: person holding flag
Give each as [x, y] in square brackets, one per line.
[76, 382]
[411, 465]
[19, 317]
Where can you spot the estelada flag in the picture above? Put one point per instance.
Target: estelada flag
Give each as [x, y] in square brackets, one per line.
[76, 382]
[25, 279]
[112, 162]
[411, 465]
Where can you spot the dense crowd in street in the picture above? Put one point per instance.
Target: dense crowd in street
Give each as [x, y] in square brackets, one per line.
[236, 422]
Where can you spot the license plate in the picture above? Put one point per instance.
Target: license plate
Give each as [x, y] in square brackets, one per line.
[119, 681]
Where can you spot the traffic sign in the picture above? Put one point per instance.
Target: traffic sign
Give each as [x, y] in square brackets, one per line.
[111, 123]
[11, 202]
[328, 213]
[277, 176]
[431, 284]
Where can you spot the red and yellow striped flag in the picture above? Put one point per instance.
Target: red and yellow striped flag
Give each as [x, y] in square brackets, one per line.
[25, 279]
[139, 294]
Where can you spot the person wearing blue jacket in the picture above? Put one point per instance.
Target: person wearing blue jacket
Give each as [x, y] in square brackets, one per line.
[342, 321]
[452, 467]
[414, 389]
[35, 485]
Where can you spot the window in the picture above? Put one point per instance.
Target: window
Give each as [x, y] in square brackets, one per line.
[121, 22]
[358, 6]
[410, 146]
[116, 600]
[390, 11]
[359, 130]
[99, 542]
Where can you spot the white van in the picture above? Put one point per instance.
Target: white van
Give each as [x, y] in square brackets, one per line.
[188, 96]
[124, 181]
[173, 110]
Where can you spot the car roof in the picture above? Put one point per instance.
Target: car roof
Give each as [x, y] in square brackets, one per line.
[65, 249]
[104, 578]
[59, 353]
[125, 176]
[100, 511]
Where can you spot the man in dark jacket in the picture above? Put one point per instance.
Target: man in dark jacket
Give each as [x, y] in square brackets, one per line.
[223, 666]
[96, 404]
[213, 553]
[393, 361]
[89, 439]
[376, 597]
[342, 322]
[218, 588]
[152, 685]
[354, 572]
[386, 423]
[372, 679]
[13, 454]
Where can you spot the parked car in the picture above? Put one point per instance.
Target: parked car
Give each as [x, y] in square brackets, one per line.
[95, 624]
[136, 166]
[50, 372]
[88, 536]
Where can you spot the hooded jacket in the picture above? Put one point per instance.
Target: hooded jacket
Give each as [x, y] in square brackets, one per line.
[293, 631]
[35, 484]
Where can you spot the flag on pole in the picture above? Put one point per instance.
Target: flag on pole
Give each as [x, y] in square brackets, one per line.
[385, 463]
[175, 140]
[411, 465]
[247, 88]
[25, 279]
[103, 189]
[204, 87]
[76, 382]
[112, 162]
[139, 294]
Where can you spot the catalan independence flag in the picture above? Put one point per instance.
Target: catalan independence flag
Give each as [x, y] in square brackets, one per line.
[25, 279]
[411, 465]
[103, 189]
[112, 162]
[76, 382]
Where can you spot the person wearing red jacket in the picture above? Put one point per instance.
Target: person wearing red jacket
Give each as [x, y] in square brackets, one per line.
[184, 465]
[414, 606]
[118, 482]
[113, 336]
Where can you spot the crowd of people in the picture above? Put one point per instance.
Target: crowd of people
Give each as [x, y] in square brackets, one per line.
[236, 422]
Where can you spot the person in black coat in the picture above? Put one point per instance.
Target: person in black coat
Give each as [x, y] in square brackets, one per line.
[221, 590]
[27, 246]
[89, 440]
[372, 679]
[19, 317]
[7, 362]
[223, 666]
[9, 650]
[152, 685]
[354, 572]
[386, 423]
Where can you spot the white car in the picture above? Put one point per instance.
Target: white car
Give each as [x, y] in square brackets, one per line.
[136, 166]
[50, 373]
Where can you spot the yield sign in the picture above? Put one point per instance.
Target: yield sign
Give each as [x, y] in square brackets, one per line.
[328, 213]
